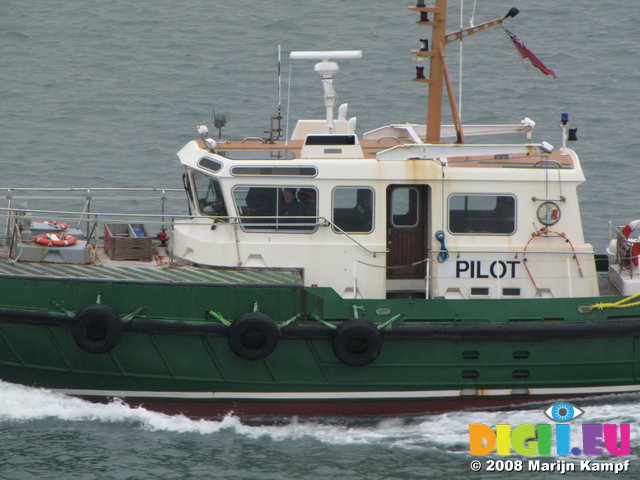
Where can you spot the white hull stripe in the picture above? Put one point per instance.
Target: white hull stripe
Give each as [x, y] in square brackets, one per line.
[390, 395]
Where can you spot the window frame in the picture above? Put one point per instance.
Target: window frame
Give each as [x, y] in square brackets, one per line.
[418, 212]
[217, 190]
[270, 170]
[210, 164]
[276, 227]
[373, 210]
[483, 233]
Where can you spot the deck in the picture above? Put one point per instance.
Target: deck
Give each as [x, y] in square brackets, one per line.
[159, 271]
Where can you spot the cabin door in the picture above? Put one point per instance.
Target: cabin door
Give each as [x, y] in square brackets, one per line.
[407, 227]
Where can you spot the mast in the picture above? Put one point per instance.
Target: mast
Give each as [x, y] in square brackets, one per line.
[437, 66]
[438, 71]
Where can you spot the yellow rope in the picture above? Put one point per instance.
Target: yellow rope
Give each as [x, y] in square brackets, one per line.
[619, 304]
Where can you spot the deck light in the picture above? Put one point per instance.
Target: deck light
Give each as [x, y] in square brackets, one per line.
[564, 118]
[527, 122]
[209, 142]
[203, 131]
[573, 135]
[546, 147]
[529, 125]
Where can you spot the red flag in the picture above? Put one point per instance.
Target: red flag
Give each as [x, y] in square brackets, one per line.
[526, 53]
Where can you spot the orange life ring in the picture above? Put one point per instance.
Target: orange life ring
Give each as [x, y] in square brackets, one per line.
[627, 230]
[55, 239]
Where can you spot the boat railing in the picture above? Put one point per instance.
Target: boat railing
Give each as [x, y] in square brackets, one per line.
[86, 200]
[627, 251]
[516, 253]
[288, 223]
[89, 220]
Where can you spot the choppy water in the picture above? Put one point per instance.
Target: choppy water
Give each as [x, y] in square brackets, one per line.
[104, 92]
[47, 435]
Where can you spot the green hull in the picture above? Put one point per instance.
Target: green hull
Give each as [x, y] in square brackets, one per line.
[435, 354]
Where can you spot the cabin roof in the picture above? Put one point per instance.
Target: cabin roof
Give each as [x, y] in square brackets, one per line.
[281, 150]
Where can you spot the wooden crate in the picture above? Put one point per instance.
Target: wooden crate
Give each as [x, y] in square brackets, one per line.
[122, 243]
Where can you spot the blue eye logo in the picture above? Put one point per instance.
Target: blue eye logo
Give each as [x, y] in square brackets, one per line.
[563, 412]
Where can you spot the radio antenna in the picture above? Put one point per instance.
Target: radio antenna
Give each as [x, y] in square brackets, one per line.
[275, 129]
[279, 78]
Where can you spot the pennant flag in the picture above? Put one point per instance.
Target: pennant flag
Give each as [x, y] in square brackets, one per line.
[526, 53]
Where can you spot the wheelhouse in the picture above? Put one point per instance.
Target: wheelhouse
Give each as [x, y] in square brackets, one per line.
[382, 217]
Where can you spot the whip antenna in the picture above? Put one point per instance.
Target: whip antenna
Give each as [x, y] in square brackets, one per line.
[279, 79]
[275, 129]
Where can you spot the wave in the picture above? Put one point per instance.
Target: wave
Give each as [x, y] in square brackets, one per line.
[448, 431]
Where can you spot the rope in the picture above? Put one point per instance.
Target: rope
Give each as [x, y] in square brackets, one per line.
[619, 304]
[473, 15]
[545, 232]
[444, 253]
[395, 267]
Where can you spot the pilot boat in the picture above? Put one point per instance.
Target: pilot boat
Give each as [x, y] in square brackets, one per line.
[398, 271]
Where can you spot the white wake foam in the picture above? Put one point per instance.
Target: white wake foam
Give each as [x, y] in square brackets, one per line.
[444, 431]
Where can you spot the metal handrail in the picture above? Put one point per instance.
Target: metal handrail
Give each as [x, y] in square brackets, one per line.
[625, 250]
[89, 189]
[372, 252]
[516, 253]
[83, 194]
[154, 218]
[88, 194]
[95, 215]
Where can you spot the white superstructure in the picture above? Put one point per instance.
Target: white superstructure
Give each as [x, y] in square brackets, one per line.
[390, 214]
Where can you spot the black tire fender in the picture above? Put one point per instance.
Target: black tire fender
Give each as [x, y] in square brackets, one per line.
[96, 328]
[357, 342]
[253, 336]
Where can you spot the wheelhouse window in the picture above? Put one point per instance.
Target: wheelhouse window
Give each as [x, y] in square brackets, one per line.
[353, 209]
[208, 195]
[210, 164]
[280, 171]
[482, 214]
[276, 208]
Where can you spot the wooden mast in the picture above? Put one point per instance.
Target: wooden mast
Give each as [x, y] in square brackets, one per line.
[436, 72]
[437, 68]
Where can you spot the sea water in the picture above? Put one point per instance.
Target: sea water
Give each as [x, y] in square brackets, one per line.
[103, 93]
[49, 435]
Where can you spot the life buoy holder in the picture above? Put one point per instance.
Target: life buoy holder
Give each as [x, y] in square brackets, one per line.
[53, 225]
[96, 328]
[55, 239]
[357, 342]
[627, 231]
[253, 336]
